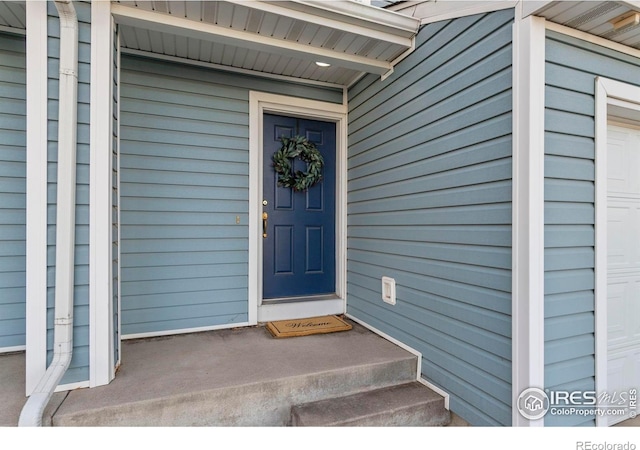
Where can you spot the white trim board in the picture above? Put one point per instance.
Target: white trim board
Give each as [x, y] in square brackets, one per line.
[36, 251]
[18, 348]
[259, 103]
[72, 386]
[528, 211]
[185, 331]
[12, 30]
[593, 39]
[626, 96]
[395, 28]
[448, 11]
[119, 286]
[404, 346]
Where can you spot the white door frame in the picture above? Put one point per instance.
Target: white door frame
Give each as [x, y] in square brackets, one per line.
[626, 99]
[259, 103]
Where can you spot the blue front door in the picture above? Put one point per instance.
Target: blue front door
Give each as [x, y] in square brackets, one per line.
[299, 238]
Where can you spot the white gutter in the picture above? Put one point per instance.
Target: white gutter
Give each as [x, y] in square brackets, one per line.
[32, 411]
[400, 58]
[390, 21]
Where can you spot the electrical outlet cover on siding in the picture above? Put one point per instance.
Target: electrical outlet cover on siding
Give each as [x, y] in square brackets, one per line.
[389, 290]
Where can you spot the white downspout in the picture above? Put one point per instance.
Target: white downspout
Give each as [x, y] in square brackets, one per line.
[32, 411]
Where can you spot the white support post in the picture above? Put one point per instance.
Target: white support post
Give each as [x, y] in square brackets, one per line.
[100, 200]
[528, 210]
[36, 283]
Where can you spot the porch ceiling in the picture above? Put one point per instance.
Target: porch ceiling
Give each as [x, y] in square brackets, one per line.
[13, 15]
[596, 18]
[283, 38]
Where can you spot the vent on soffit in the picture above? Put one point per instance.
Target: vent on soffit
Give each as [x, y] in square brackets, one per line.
[592, 14]
[623, 24]
[626, 21]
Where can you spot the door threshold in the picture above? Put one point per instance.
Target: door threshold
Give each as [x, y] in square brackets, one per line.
[304, 298]
[301, 308]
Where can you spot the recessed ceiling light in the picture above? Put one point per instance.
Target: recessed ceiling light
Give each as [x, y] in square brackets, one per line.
[322, 64]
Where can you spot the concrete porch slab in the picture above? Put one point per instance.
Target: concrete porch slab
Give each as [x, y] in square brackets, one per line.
[173, 375]
[165, 371]
[12, 389]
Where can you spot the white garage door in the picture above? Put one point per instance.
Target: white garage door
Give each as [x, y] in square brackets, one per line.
[623, 261]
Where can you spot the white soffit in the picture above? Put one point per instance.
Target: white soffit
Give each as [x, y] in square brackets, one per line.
[282, 38]
[595, 18]
[13, 15]
[436, 10]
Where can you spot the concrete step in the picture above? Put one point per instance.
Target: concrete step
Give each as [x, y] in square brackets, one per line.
[409, 404]
[234, 378]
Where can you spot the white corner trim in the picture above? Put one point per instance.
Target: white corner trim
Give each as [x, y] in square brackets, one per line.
[528, 211]
[119, 237]
[607, 91]
[533, 7]
[601, 241]
[260, 102]
[36, 229]
[434, 388]
[551, 26]
[101, 339]
[412, 350]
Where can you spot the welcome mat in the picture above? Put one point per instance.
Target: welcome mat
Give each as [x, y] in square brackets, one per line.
[305, 327]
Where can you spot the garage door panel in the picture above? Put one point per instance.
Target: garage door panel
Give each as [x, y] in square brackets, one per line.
[623, 312]
[623, 252]
[623, 260]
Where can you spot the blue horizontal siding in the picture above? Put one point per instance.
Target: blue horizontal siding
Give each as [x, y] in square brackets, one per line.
[429, 204]
[571, 68]
[200, 81]
[184, 174]
[184, 179]
[12, 192]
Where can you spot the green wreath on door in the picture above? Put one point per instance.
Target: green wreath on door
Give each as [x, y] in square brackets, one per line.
[298, 147]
